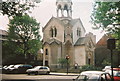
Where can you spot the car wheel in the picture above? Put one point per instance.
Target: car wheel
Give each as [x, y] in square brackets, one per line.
[15, 71]
[36, 73]
[47, 72]
[28, 73]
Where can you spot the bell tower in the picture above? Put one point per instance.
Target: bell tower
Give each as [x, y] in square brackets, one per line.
[64, 8]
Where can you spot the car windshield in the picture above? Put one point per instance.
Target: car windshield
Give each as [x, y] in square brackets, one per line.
[10, 66]
[106, 67]
[93, 78]
[116, 73]
[36, 67]
[16, 66]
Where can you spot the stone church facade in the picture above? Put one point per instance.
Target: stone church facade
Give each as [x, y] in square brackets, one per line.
[63, 35]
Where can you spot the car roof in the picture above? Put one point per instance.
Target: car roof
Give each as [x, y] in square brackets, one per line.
[116, 69]
[107, 66]
[91, 72]
[40, 66]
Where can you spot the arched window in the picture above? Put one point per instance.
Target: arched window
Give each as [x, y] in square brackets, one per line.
[46, 51]
[65, 10]
[55, 32]
[59, 6]
[51, 32]
[89, 61]
[65, 7]
[78, 32]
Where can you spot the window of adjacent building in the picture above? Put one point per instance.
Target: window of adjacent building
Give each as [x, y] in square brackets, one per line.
[46, 51]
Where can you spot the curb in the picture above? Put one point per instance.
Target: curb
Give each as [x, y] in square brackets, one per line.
[63, 74]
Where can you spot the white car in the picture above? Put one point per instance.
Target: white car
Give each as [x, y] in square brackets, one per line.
[93, 76]
[39, 70]
[106, 68]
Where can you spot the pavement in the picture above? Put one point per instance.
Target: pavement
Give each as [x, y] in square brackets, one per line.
[64, 74]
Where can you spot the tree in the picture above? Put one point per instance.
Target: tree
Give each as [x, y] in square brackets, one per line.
[106, 15]
[17, 8]
[24, 30]
[63, 62]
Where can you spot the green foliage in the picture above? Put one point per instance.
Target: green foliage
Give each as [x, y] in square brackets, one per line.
[63, 62]
[14, 8]
[106, 15]
[106, 62]
[89, 67]
[17, 8]
[10, 52]
[24, 30]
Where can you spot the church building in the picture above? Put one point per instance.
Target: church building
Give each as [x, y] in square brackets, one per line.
[64, 36]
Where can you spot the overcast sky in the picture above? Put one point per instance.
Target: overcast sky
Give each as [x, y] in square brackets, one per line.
[47, 8]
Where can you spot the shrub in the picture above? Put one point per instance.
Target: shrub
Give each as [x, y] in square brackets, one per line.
[89, 67]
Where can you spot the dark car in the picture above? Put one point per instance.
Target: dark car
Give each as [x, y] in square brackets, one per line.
[6, 69]
[20, 68]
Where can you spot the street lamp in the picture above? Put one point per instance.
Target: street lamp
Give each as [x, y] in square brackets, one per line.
[67, 58]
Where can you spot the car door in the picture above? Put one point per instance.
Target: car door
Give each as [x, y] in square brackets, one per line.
[46, 70]
[106, 77]
[41, 70]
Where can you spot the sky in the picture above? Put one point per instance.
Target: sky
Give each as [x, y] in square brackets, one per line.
[47, 8]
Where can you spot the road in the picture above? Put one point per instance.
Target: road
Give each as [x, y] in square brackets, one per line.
[51, 77]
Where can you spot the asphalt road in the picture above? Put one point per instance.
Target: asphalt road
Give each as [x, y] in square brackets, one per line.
[51, 77]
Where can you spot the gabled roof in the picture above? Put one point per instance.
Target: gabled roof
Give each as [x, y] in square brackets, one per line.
[74, 21]
[81, 41]
[103, 40]
[52, 41]
[53, 18]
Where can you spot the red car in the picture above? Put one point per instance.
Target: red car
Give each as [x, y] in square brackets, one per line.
[116, 74]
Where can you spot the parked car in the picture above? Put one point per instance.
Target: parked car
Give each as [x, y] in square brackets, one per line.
[106, 68]
[1, 69]
[81, 78]
[9, 67]
[39, 70]
[93, 76]
[6, 69]
[116, 73]
[20, 68]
